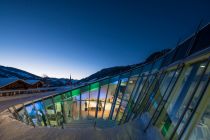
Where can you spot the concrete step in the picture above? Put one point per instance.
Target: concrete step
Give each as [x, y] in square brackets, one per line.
[98, 123]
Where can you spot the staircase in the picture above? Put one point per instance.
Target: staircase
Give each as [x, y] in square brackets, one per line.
[102, 124]
[97, 123]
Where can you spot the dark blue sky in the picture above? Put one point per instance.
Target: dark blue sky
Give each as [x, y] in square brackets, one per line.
[81, 37]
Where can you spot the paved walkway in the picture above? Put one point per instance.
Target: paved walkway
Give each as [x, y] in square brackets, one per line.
[11, 129]
[8, 101]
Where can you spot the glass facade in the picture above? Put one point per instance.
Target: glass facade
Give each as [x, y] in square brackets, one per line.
[85, 99]
[173, 90]
[114, 82]
[102, 97]
[92, 105]
[201, 129]
[176, 104]
[23, 116]
[68, 108]
[128, 91]
[50, 111]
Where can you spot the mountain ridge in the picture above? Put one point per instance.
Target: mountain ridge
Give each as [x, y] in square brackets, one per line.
[7, 72]
[111, 71]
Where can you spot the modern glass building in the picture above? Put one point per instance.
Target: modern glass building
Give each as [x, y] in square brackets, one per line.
[172, 92]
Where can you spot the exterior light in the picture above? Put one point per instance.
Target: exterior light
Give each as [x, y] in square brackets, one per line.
[202, 66]
[130, 82]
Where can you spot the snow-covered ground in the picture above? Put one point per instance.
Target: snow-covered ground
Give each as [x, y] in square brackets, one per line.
[12, 129]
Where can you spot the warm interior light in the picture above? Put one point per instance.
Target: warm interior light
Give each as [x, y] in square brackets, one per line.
[202, 66]
[130, 82]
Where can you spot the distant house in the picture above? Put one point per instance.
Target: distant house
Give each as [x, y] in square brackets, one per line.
[19, 84]
[13, 84]
[34, 83]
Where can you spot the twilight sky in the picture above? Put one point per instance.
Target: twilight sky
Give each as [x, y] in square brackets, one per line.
[81, 37]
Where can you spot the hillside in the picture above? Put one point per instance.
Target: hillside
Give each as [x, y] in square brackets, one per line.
[10, 72]
[115, 70]
[6, 72]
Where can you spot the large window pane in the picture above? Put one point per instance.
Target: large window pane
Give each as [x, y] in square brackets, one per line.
[33, 114]
[92, 104]
[110, 96]
[202, 129]
[85, 97]
[134, 99]
[23, 116]
[59, 109]
[102, 97]
[146, 86]
[41, 114]
[68, 110]
[50, 110]
[178, 100]
[161, 91]
[129, 89]
[131, 100]
[198, 93]
[76, 104]
[150, 93]
[121, 92]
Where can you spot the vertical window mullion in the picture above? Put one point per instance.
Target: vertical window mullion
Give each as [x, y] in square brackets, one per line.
[28, 117]
[88, 99]
[164, 94]
[156, 84]
[141, 78]
[36, 113]
[99, 90]
[133, 107]
[144, 95]
[159, 84]
[194, 110]
[123, 94]
[45, 111]
[16, 112]
[165, 100]
[191, 97]
[106, 98]
[55, 110]
[115, 98]
[126, 108]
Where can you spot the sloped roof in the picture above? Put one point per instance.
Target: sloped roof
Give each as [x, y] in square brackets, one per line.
[32, 82]
[6, 81]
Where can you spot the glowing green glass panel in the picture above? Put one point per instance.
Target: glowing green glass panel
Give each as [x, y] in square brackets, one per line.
[75, 92]
[94, 86]
[68, 94]
[104, 82]
[57, 98]
[84, 89]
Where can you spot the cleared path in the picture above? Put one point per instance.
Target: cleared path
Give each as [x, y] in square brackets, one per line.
[8, 101]
[11, 129]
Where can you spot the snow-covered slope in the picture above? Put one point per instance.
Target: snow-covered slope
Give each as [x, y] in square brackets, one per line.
[7, 72]
[10, 72]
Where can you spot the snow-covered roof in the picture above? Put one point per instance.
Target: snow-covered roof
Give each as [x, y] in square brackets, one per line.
[6, 81]
[32, 82]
